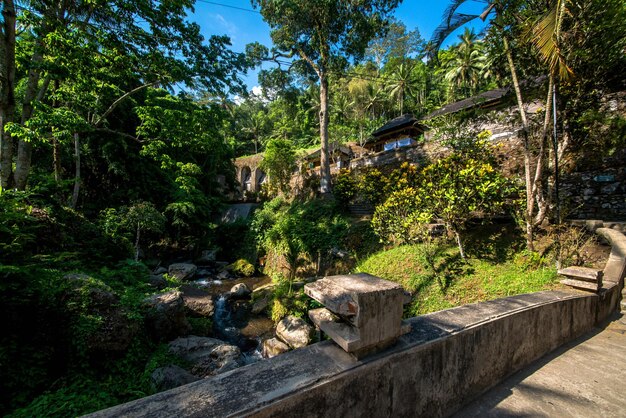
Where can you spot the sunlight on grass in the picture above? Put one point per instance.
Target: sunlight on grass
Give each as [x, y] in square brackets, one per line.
[476, 280]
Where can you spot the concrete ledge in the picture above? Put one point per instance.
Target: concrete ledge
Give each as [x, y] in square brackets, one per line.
[447, 359]
[615, 268]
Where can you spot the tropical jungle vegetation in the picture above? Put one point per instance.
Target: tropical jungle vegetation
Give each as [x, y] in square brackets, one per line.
[119, 125]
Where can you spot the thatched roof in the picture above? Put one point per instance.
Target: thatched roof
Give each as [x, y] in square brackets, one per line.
[486, 99]
[480, 100]
[332, 150]
[405, 121]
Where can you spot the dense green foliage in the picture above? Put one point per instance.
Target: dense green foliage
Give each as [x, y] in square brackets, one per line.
[292, 233]
[296, 238]
[452, 189]
[279, 162]
[119, 124]
[55, 322]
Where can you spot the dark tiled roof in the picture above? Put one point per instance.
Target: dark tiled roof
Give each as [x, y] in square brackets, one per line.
[478, 100]
[332, 149]
[404, 121]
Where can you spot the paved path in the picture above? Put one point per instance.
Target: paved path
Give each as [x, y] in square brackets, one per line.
[586, 378]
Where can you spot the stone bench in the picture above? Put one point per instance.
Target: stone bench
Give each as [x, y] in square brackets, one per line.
[362, 313]
[600, 281]
[583, 278]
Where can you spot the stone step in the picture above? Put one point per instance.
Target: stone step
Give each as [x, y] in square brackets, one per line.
[583, 273]
[582, 285]
[361, 211]
[346, 336]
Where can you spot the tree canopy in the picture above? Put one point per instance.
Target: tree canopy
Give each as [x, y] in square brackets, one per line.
[324, 35]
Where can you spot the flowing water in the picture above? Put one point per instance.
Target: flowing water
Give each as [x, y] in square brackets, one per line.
[233, 323]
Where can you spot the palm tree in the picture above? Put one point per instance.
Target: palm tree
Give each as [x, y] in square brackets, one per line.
[403, 83]
[546, 34]
[465, 67]
[255, 125]
[340, 106]
[374, 99]
[452, 20]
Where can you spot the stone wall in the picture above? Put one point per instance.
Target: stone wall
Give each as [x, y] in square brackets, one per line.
[597, 194]
[414, 154]
[447, 359]
[596, 189]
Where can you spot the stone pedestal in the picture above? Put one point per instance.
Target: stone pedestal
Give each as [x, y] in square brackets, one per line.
[362, 313]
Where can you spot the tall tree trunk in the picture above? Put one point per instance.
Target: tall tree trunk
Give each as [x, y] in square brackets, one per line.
[530, 229]
[7, 92]
[56, 146]
[324, 155]
[137, 242]
[537, 191]
[25, 148]
[56, 159]
[77, 172]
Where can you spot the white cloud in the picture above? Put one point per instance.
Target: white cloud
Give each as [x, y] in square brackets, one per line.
[238, 99]
[257, 91]
[231, 28]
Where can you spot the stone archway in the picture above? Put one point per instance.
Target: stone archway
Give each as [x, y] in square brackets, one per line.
[248, 174]
[259, 179]
[246, 180]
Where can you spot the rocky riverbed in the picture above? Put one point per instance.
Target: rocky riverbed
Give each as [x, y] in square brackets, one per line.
[241, 331]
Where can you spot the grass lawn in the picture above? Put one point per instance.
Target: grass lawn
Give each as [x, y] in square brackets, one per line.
[495, 268]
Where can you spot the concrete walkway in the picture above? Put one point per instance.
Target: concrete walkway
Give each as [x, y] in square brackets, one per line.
[585, 378]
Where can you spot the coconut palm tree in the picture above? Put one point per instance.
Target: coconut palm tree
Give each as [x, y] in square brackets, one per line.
[402, 83]
[496, 10]
[375, 100]
[465, 67]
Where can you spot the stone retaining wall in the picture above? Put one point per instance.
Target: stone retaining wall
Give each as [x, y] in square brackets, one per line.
[597, 194]
[447, 359]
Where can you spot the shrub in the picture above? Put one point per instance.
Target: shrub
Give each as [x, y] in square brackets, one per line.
[403, 218]
[298, 230]
[243, 268]
[453, 189]
[345, 187]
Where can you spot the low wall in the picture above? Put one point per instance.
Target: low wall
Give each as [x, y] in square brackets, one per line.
[447, 359]
[597, 194]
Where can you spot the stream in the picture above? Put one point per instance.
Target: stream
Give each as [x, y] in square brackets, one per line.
[233, 321]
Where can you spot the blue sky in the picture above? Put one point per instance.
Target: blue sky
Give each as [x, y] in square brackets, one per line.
[246, 26]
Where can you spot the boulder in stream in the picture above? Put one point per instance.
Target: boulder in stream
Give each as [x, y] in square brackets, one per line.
[294, 331]
[165, 316]
[240, 291]
[182, 271]
[157, 281]
[261, 303]
[225, 275]
[207, 257]
[170, 377]
[160, 270]
[274, 347]
[198, 304]
[208, 356]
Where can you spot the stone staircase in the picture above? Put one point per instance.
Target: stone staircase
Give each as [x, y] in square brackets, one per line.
[361, 209]
[615, 269]
[582, 278]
